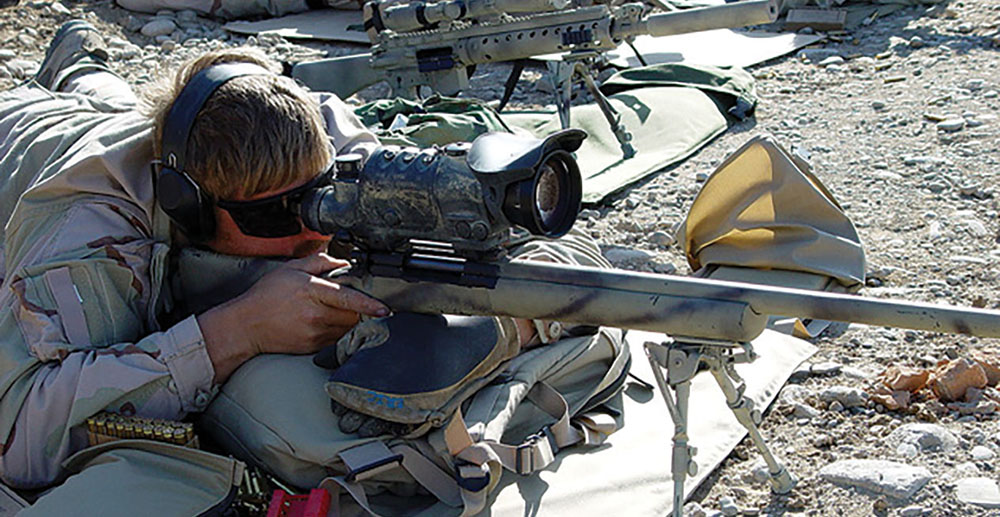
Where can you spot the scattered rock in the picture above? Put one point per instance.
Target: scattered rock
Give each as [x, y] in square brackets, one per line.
[793, 393]
[981, 453]
[925, 437]
[825, 369]
[990, 365]
[951, 380]
[728, 507]
[158, 27]
[804, 411]
[951, 124]
[832, 60]
[661, 238]
[693, 509]
[890, 478]
[978, 491]
[907, 450]
[626, 255]
[847, 396]
[904, 378]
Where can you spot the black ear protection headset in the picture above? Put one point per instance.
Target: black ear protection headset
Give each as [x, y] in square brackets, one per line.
[177, 193]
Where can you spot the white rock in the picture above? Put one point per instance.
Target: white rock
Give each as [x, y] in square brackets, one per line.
[6, 53]
[832, 60]
[934, 230]
[804, 411]
[815, 55]
[760, 471]
[978, 491]
[912, 511]
[968, 259]
[966, 469]
[976, 228]
[952, 124]
[158, 27]
[907, 450]
[795, 393]
[924, 437]
[728, 506]
[693, 509]
[617, 255]
[889, 478]
[661, 238]
[855, 373]
[827, 368]
[847, 396]
[981, 453]
[59, 8]
[974, 84]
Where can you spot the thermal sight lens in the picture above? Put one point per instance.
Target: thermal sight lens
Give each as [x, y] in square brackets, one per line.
[548, 191]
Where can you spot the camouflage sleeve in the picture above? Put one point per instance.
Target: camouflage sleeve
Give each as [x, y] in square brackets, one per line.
[78, 335]
[346, 131]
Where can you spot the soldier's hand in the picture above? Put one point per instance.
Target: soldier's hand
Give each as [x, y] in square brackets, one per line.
[291, 310]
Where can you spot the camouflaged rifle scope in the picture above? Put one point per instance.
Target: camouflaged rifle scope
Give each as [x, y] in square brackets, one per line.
[411, 16]
[466, 195]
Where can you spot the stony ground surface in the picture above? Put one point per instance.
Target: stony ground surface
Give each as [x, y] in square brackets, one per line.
[899, 119]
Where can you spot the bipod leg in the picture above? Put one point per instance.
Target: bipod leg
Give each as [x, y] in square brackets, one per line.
[781, 480]
[561, 75]
[614, 118]
[681, 365]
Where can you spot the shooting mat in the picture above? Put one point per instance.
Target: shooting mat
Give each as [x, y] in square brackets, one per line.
[632, 471]
[668, 124]
[322, 24]
[671, 110]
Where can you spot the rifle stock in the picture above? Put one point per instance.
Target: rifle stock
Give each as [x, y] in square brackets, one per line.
[342, 76]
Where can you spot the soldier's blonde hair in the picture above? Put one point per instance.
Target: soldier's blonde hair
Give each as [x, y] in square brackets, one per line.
[256, 133]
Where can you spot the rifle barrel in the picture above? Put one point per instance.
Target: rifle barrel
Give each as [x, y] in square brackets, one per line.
[675, 305]
[737, 14]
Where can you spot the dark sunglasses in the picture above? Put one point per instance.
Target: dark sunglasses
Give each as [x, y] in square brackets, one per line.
[273, 216]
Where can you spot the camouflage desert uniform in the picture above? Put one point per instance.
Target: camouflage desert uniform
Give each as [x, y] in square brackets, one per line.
[82, 265]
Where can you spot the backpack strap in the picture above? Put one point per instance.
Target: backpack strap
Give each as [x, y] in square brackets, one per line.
[539, 450]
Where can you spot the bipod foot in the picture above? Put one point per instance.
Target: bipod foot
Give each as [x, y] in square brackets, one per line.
[721, 366]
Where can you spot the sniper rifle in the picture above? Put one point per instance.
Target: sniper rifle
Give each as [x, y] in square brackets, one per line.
[441, 59]
[431, 229]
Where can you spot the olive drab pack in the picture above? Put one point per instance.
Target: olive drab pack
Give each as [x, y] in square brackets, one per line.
[566, 393]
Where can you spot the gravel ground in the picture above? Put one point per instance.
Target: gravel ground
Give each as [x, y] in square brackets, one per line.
[899, 119]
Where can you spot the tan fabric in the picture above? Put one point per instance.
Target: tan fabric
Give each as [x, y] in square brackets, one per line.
[763, 209]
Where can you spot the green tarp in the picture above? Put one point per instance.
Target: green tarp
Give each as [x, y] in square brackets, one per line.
[671, 110]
